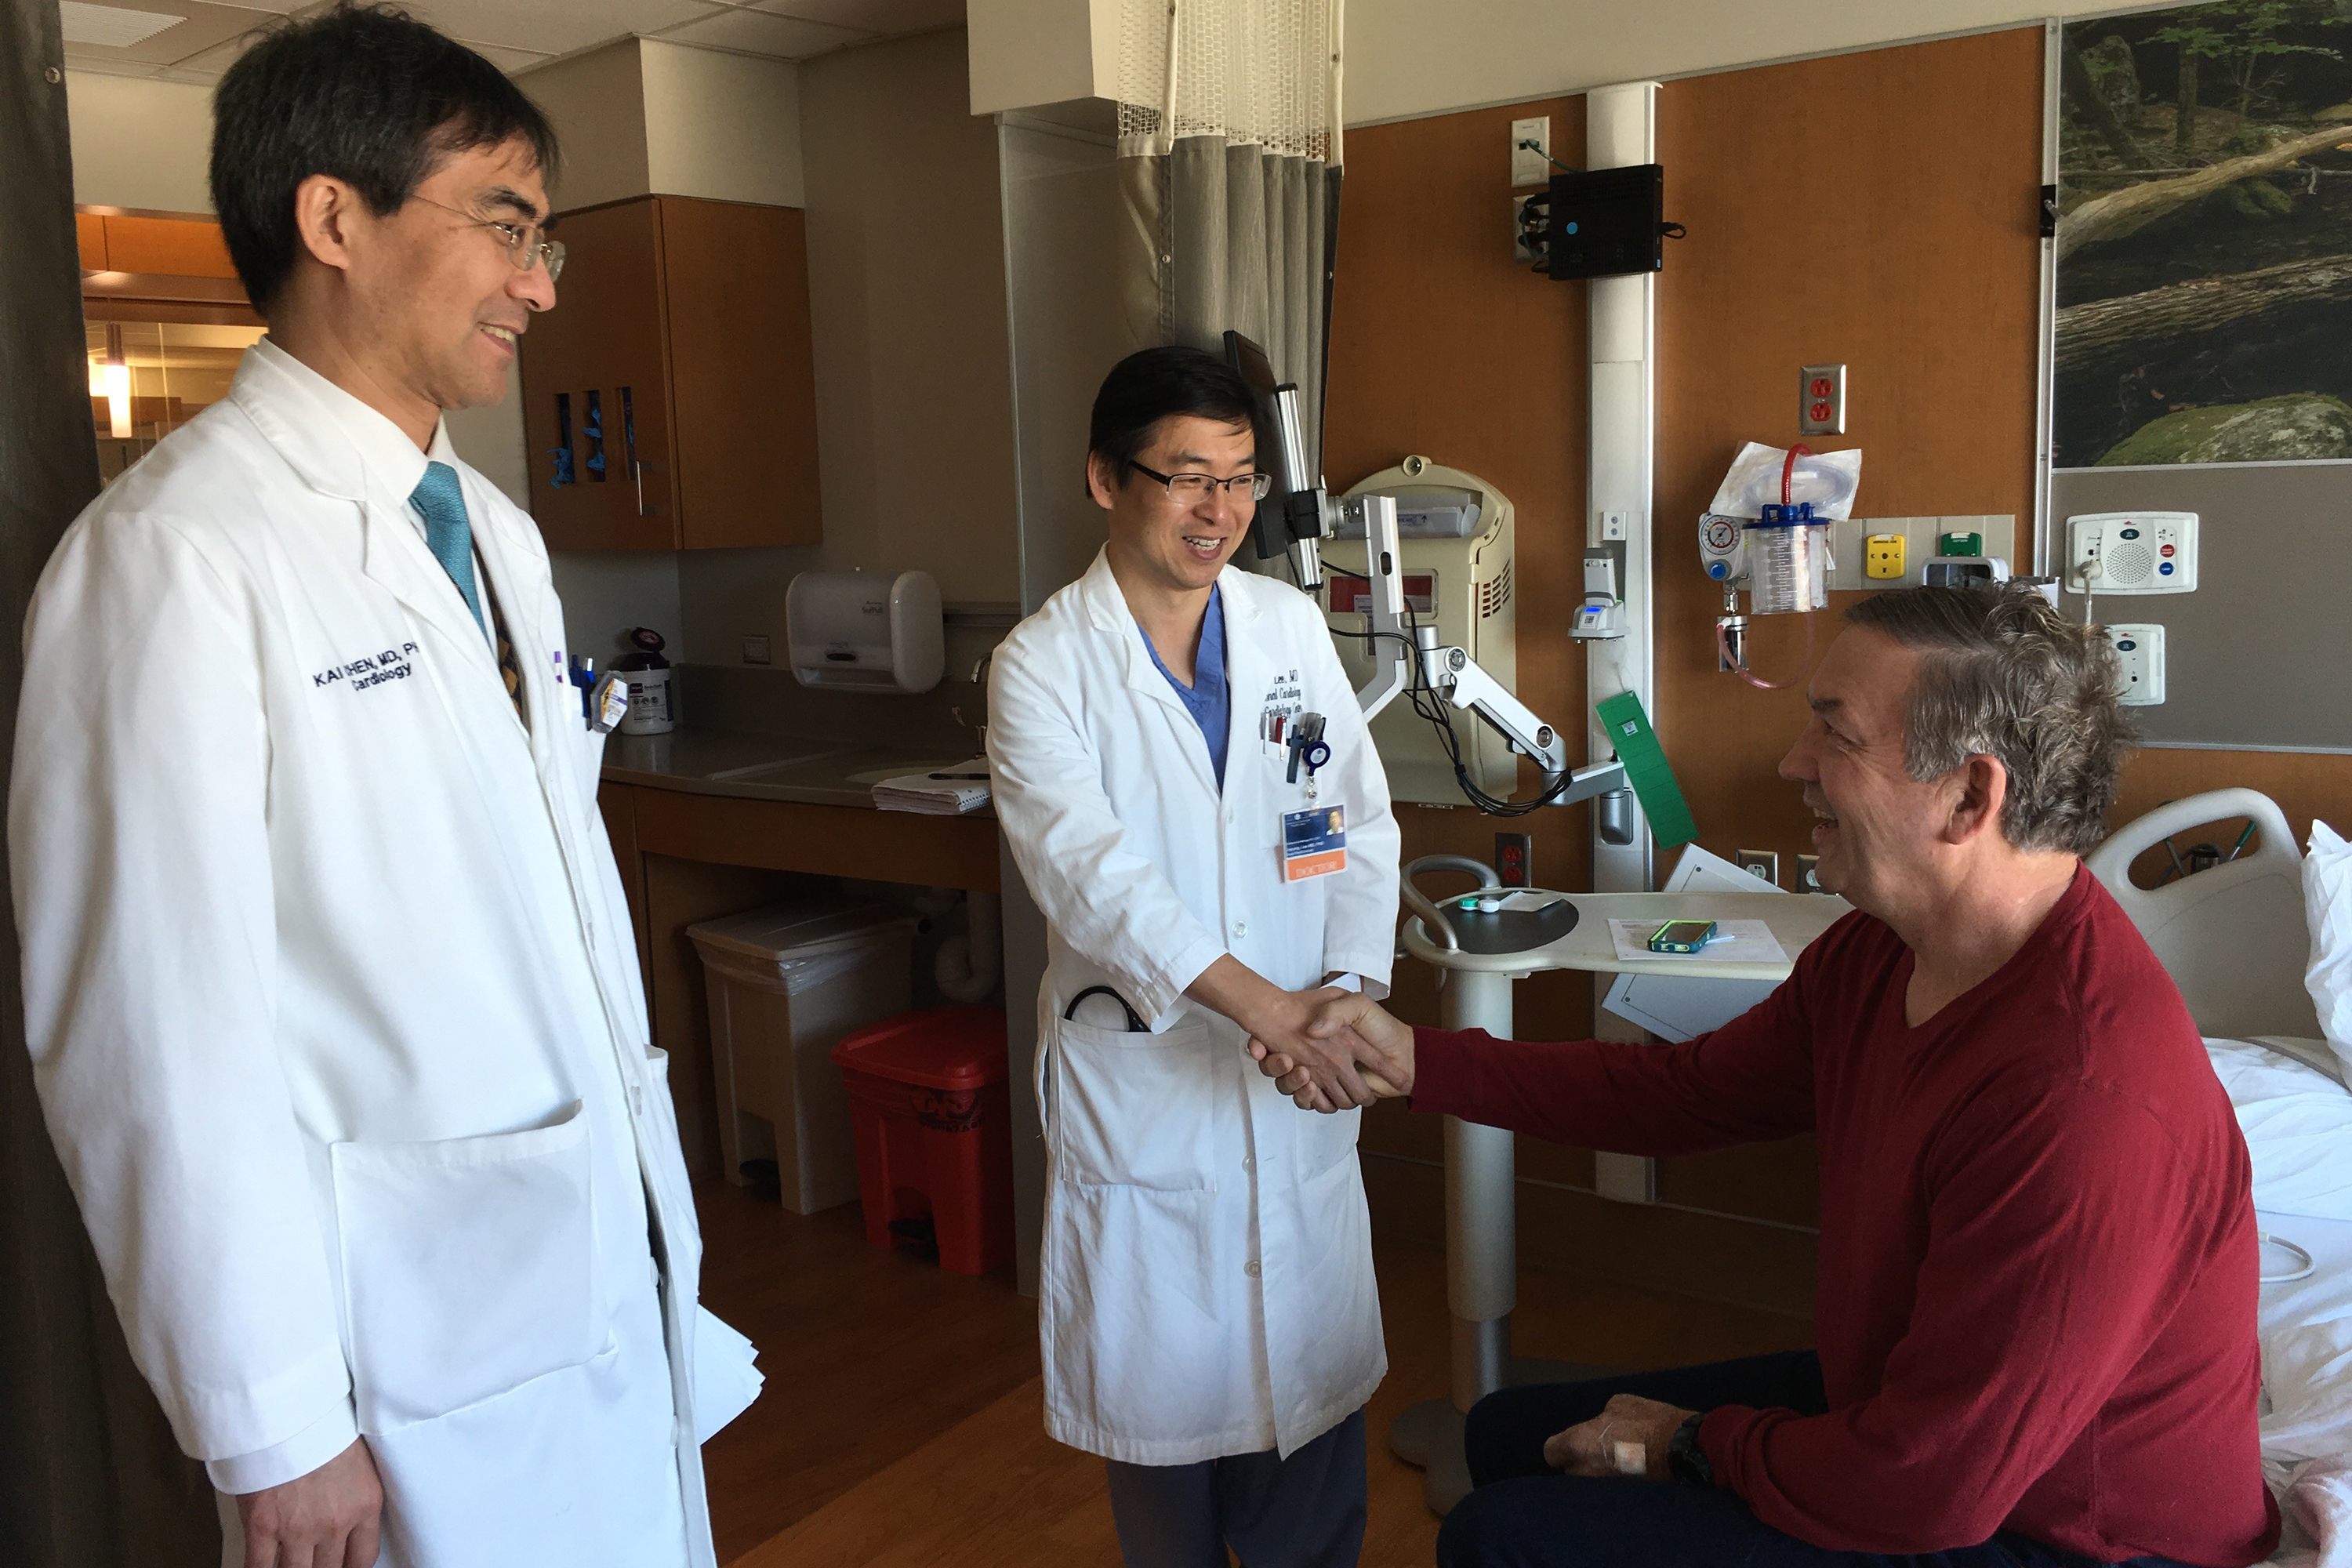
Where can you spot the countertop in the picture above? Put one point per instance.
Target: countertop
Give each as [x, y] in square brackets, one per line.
[808, 771]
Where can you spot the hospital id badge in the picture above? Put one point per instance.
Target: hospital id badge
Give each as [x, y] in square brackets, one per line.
[1314, 842]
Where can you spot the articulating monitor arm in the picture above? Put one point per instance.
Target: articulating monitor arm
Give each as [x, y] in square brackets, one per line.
[1397, 649]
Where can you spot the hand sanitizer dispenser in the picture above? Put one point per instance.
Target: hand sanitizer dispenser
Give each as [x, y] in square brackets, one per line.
[865, 631]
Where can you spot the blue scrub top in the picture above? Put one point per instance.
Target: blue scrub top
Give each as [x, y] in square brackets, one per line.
[1206, 699]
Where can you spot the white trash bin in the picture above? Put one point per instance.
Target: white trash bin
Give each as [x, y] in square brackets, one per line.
[786, 982]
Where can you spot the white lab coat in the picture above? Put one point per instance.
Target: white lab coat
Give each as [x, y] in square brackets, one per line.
[334, 1002]
[1207, 1273]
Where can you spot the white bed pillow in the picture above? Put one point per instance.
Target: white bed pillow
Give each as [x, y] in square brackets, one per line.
[2298, 1126]
[2327, 910]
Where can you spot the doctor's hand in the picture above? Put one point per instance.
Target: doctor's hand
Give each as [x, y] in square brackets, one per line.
[1348, 1021]
[1277, 1020]
[1629, 1437]
[327, 1519]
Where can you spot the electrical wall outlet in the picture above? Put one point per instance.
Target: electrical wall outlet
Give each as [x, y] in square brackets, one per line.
[1531, 166]
[1821, 400]
[1883, 557]
[1764, 864]
[1616, 525]
[1514, 858]
[2139, 660]
[1808, 874]
[755, 650]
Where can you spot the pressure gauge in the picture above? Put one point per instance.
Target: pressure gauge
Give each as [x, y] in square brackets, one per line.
[1723, 549]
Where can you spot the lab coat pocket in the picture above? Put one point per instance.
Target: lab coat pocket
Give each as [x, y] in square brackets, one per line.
[467, 1267]
[1142, 1110]
[503, 1481]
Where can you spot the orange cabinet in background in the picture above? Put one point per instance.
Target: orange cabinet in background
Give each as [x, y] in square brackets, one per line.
[160, 246]
[668, 399]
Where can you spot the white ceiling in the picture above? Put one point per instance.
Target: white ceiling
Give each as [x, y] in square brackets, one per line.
[517, 35]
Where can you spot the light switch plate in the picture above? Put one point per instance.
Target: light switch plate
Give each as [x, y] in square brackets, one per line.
[755, 650]
[1821, 400]
[1530, 168]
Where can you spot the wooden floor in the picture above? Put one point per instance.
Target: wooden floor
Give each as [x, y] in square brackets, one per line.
[902, 1426]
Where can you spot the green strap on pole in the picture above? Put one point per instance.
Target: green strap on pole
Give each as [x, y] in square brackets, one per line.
[1646, 769]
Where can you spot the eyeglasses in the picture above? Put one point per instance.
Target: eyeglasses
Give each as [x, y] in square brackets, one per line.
[1190, 490]
[526, 245]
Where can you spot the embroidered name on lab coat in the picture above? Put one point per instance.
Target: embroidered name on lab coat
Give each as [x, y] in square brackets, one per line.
[369, 670]
[1284, 700]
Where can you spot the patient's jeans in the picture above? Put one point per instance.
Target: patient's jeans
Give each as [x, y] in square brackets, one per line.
[1524, 1514]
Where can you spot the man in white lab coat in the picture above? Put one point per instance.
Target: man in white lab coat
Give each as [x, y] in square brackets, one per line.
[1194, 802]
[329, 979]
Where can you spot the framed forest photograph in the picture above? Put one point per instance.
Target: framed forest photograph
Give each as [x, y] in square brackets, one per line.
[2204, 237]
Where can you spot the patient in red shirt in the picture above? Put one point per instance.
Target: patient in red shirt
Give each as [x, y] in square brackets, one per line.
[2038, 1270]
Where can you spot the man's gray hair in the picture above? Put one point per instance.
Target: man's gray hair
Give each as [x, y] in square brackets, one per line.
[2002, 675]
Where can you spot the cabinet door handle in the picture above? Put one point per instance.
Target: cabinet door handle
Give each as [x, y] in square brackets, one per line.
[637, 472]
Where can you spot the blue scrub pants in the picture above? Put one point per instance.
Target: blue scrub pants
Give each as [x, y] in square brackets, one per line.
[1306, 1511]
[1524, 1514]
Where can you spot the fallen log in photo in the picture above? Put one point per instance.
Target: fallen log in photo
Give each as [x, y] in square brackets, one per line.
[2102, 337]
[2133, 208]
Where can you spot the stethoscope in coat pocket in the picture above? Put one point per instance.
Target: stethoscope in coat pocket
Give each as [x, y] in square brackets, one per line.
[1045, 1096]
[1134, 1020]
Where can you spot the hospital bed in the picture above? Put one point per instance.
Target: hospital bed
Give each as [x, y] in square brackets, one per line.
[2235, 939]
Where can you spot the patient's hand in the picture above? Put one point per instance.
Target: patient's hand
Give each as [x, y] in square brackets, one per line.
[1380, 1046]
[1628, 1437]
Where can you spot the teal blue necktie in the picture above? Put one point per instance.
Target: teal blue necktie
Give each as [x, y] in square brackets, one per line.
[442, 504]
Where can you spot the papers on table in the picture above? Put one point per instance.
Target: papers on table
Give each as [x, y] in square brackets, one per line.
[950, 796]
[1681, 1006]
[1736, 941]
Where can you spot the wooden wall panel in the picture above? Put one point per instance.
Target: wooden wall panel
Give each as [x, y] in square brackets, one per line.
[1892, 224]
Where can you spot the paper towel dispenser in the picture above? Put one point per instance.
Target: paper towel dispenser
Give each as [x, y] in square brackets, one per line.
[865, 631]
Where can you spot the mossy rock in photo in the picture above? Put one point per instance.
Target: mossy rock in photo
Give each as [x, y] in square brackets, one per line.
[2258, 199]
[2302, 425]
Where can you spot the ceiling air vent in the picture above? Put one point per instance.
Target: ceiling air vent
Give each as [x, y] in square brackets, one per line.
[113, 27]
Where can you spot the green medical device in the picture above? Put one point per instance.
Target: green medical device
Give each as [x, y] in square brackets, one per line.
[1654, 782]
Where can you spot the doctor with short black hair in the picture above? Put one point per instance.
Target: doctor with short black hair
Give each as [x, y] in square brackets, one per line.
[1194, 799]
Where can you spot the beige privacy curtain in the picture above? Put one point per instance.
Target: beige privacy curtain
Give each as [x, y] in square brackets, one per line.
[1229, 173]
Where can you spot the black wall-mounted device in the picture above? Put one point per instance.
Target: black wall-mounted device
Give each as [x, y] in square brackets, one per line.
[1606, 223]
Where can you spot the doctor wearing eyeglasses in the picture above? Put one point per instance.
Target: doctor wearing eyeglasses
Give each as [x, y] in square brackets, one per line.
[1194, 802]
[329, 979]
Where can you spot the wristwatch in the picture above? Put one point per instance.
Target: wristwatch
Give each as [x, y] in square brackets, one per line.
[1685, 1460]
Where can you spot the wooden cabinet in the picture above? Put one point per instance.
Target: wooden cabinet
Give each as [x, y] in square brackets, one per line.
[670, 388]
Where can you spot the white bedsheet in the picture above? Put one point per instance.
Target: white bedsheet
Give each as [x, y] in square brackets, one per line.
[2306, 1337]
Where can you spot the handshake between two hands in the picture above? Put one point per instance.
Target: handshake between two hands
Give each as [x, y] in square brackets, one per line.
[1332, 1050]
